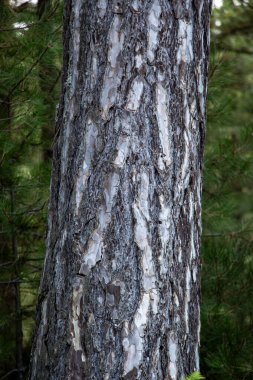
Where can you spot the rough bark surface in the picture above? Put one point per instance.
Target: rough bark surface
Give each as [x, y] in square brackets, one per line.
[119, 297]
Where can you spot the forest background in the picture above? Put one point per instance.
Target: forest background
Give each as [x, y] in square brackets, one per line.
[30, 78]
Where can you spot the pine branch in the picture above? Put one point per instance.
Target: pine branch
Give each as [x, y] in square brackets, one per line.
[29, 71]
[195, 376]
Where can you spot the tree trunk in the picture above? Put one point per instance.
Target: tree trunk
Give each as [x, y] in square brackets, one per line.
[119, 297]
[18, 305]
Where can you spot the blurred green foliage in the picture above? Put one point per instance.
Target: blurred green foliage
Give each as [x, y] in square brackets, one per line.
[227, 271]
[30, 60]
[195, 376]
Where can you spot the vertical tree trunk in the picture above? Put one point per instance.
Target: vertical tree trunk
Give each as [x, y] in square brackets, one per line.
[119, 297]
[13, 296]
[16, 284]
[49, 77]
[18, 305]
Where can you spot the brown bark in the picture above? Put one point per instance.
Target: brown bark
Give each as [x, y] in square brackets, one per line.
[119, 297]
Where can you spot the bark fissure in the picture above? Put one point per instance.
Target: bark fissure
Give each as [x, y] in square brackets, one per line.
[120, 288]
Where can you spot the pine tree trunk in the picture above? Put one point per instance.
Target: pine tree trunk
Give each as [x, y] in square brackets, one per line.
[119, 297]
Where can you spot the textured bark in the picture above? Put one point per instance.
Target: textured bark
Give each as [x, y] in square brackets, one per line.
[119, 297]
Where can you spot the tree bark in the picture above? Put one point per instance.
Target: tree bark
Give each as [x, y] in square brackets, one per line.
[119, 296]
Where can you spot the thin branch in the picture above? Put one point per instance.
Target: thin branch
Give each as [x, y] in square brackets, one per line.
[229, 233]
[11, 117]
[20, 27]
[32, 211]
[29, 71]
[7, 263]
[8, 374]
[18, 281]
[212, 71]
[38, 259]
[10, 282]
[242, 50]
[55, 82]
[23, 6]
[36, 267]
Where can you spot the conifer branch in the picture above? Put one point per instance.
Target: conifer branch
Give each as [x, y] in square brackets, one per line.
[30, 70]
